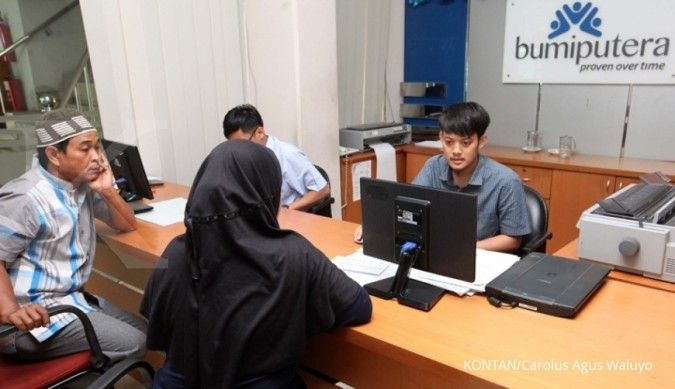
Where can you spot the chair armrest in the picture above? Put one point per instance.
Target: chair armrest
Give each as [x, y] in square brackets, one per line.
[326, 201]
[534, 244]
[7, 329]
[98, 360]
[121, 368]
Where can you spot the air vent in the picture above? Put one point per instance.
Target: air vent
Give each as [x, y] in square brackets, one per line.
[670, 266]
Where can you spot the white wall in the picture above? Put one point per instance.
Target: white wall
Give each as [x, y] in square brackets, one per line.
[370, 60]
[166, 71]
[290, 67]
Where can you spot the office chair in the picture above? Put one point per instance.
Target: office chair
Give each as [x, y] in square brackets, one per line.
[535, 240]
[322, 207]
[87, 368]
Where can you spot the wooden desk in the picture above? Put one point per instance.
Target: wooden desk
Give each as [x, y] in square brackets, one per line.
[465, 342]
[149, 240]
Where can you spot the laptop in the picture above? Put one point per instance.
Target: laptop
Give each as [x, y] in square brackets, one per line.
[547, 284]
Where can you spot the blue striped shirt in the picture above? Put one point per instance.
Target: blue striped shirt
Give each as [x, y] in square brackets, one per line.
[47, 241]
[501, 197]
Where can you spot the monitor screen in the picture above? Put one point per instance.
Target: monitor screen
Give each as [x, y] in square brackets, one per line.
[127, 167]
[442, 222]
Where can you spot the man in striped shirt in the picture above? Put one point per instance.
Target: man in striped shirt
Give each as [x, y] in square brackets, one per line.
[47, 243]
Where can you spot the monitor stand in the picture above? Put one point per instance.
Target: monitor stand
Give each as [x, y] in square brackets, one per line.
[420, 295]
[407, 291]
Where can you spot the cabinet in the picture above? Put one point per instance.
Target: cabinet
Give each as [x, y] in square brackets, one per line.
[569, 186]
[414, 162]
[536, 178]
[571, 194]
[351, 209]
[622, 182]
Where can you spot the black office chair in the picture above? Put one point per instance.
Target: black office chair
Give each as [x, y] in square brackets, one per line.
[88, 368]
[535, 240]
[322, 207]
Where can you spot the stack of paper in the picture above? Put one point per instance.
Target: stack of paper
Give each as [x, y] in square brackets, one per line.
[434, 144]
[165, 212]
[365, 269]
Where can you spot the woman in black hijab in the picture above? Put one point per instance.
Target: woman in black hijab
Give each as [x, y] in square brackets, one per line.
[234, 299]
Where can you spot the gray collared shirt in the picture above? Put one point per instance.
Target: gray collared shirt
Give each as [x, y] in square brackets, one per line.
[501, 197]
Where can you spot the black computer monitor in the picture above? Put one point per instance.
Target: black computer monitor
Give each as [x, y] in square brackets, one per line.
[127, 167]
[442, 222]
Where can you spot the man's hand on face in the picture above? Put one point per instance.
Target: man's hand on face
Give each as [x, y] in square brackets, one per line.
[104, 179]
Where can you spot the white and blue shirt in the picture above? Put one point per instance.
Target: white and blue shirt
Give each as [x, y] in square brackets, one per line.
[298, 173]
[501, 198]
[47, 241]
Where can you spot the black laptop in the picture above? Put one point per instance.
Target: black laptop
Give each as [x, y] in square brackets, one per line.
[547, 284]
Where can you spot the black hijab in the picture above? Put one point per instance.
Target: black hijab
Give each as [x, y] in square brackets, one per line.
[240, 295]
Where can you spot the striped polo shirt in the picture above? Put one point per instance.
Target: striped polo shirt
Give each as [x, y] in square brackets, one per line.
[47, 241]
[501, 198]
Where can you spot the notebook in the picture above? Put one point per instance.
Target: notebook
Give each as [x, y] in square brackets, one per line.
[547, 284]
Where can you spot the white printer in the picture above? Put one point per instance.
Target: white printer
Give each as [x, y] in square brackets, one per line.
[359, 137]
[632, 230]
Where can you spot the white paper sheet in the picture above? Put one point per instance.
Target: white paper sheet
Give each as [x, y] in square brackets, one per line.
[365, 269]
[385, 154]
[359, 169]
[165, 212]
[434, 144]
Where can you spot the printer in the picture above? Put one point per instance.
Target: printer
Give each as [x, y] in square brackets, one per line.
[632, 230]
[359, 137]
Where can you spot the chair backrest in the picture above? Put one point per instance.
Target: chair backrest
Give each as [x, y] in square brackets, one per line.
[535, 240]
[322, 207]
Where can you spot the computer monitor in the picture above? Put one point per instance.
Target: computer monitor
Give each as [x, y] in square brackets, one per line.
[127, 167]
[443, 222]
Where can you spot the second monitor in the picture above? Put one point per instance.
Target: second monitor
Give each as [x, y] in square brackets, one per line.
[444, 220]
[127, 167]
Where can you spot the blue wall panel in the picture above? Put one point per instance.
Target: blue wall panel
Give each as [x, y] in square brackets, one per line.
[435, 47]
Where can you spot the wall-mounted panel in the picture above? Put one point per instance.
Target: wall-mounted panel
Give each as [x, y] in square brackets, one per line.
[512, 107]
[435, 47]
[593, 115]
[651, 127]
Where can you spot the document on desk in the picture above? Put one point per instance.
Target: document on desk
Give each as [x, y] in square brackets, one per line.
[165, 212]
[365, 269]
[434, 144]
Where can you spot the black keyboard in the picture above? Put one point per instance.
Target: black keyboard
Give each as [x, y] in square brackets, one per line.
[635, 201]
[139, 207]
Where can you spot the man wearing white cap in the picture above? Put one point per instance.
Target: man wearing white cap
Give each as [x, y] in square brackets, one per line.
[47, 243]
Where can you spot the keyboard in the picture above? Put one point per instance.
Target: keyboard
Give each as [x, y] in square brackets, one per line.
[637, 200]
[139, 207]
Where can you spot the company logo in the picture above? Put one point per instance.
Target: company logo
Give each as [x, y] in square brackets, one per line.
[578, 15]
